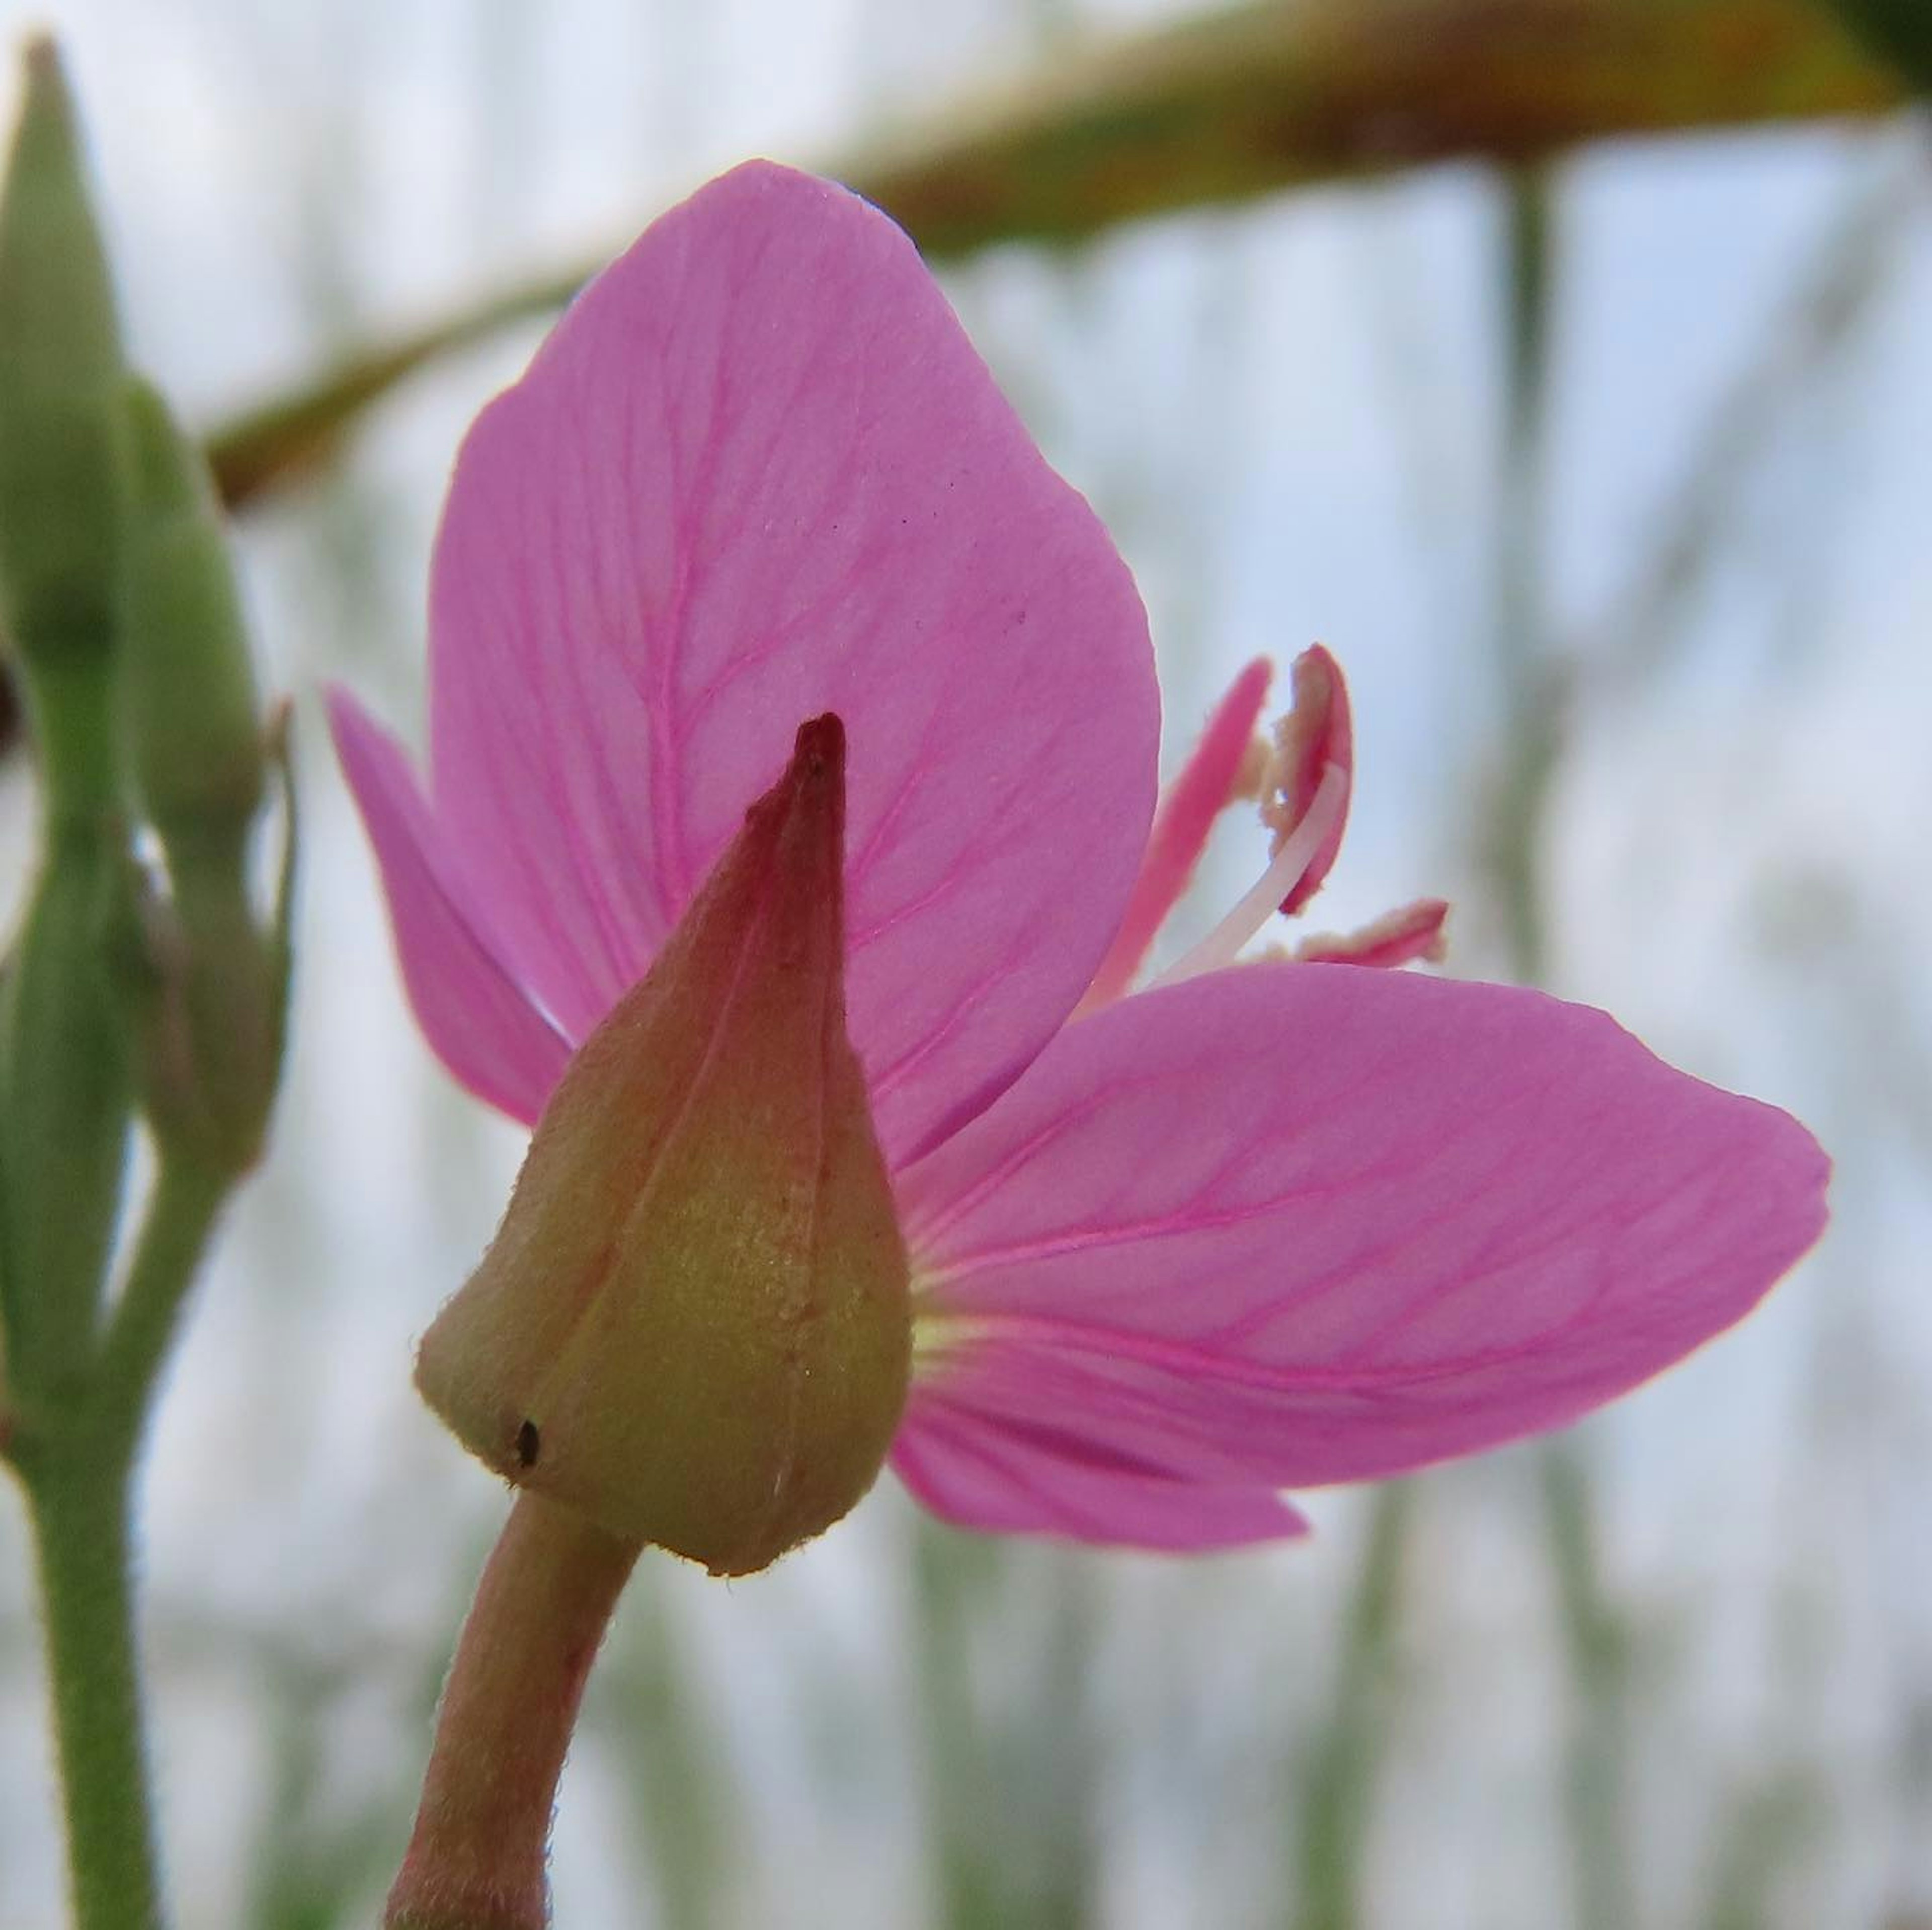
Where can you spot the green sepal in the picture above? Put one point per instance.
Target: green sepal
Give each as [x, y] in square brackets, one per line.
[212, 1003]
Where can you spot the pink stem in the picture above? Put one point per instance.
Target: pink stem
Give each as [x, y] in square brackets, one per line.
[477, 1859]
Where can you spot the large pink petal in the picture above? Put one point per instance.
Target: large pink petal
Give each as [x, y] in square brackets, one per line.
[478, 1020]
[1015, 1478]
[1306, 1224]
[758, 473]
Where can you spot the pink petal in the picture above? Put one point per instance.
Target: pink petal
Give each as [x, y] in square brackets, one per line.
[1188, 809]
[481, 1024]
[756, 474]
[1316, 733]
[1009, 1478]
[1305, 1224]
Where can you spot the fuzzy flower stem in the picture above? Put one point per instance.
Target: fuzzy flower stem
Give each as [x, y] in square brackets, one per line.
[76, 1457]
[476, 1859]
[80, 1518]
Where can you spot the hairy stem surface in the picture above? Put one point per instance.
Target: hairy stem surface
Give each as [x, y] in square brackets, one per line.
[476, 1860]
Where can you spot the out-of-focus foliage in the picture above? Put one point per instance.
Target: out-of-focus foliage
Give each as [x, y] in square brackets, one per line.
[1899, 32]
[1222, 107]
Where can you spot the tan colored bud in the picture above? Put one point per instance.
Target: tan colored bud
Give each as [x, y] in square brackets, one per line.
[693, 1326]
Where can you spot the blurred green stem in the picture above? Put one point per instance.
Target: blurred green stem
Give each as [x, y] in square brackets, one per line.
[79, 767]
[1011, 1789]
[1337, 1791]
[1533, 699]
[76, 1460]
[686, 1820]
[953, 1574]
[181, 1214]
[80, 1506]
[1596, 1646]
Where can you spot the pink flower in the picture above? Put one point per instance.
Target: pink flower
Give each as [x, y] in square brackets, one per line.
[1268, 1225]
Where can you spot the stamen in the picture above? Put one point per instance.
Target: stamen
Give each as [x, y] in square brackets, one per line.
[1316, 737]
[1225, 766]
[1299, 850]
[1410, 933]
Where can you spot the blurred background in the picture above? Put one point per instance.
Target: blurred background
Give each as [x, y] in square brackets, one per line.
[1566, 366]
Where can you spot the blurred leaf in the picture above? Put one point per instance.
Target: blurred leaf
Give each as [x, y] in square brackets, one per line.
[1224, 107]
[1899, 32]
[1243, 102]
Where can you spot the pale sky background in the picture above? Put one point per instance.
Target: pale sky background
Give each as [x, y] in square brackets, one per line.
[1288, 416]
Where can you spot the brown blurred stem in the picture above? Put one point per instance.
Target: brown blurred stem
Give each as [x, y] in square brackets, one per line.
[477, 1859]
[1224, 106]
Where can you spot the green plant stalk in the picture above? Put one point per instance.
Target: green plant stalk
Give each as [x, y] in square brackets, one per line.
[79, 1508]
[63, 1123]
[64, 1096]
[77, 1464]
[186, 1201]
[683, 1818]
[79, 763]
[953, 1574]
[1337, 1793]
[1596, 1645]
[1595, 1639]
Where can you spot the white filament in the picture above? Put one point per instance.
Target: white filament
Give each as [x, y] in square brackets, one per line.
[1258, 904]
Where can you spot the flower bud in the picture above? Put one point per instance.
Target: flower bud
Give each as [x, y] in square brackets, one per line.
[694, 1325]
[61, 454]
[193, 729]
[211, 1008]
[65, 1101]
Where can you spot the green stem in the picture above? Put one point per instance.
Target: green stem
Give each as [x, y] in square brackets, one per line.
[1596, 1645]
[1593, 1628]
[77, 1465]
[186, 1200]
[80, 1516]
[1337, 1793]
